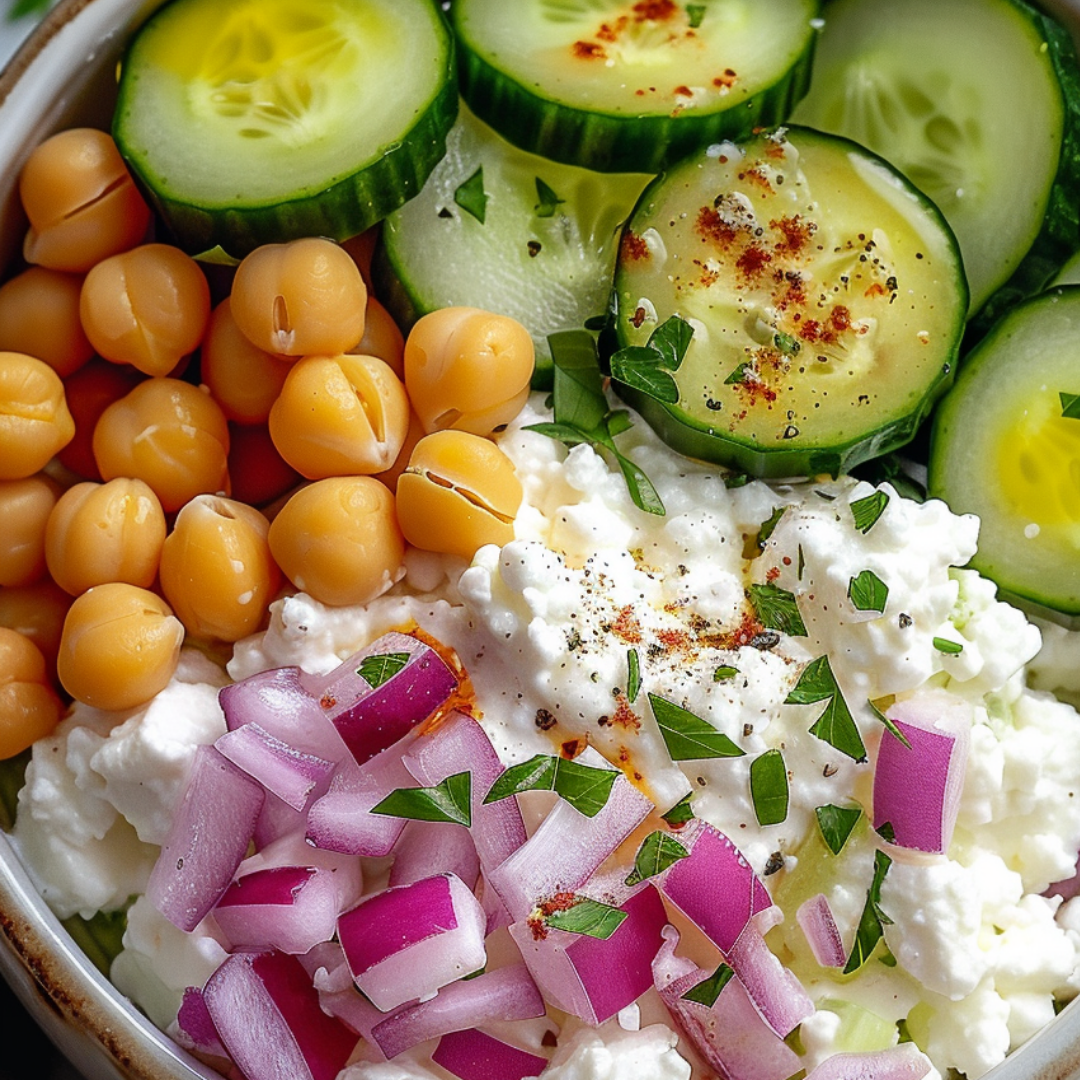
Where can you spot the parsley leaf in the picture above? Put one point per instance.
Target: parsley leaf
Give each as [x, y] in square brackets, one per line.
[708, 990]
[671, 339]
[867, 592]
[585, 787]
[866, 511]
[777, 609]
[787, 344]
[768, 527]
[890, 727]
[681, 812]
[646, 367]
[382, 667]
[769, 787]
[688, 737]
[835, 725]
[548, 199]
[633, 675]
[588, 917]
[946, 646]
[447, 801]
[658, 851]
[1070, 405]
[873, 919]
[695, 13]
[724, 672]
[738, 376]
[471, 197]
[836, 824]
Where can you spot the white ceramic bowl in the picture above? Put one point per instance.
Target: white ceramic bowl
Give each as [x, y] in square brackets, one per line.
[64, 74]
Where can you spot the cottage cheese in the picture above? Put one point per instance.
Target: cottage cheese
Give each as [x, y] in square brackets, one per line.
[545, 626]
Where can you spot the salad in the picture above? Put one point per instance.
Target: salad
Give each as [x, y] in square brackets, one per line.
[556, 571]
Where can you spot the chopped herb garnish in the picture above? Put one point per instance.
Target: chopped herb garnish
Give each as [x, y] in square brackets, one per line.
[886, 831]
[836, 824]
[873, 919]
[736, 480]
[946, 646]
[695, 13]
[769, 526]
[769, 787]
[588, 917]
[724, 672]
[633, 675]
[447, 801]
[708, 990]
[801, 564]
[1070, 406]
[688, 737]
[548, 199]
[867, 592]
[738, 376]
[658, 851]
[777, 609]
[471, 197]
[585, 787]
[835, 725]
[866, 511]
[381, 668]
[681, 812]
[646, 367]
[582, 414]
[787, 344]
[890, 727]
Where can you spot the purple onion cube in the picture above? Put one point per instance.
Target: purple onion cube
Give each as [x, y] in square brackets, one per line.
[474, 1055]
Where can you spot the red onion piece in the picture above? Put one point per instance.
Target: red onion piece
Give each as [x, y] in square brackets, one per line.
[815, 917]
[194, 1028]
[288, 773]
[371, 718]
[730, 1036]
[775, 990]
[917, 790]
[407, 942]
[715, 888]
[507, 993]
[568, 846]
[473, 1055]
[207, 840]
[430, 847]
[903, 1062]
[267, 1013]
[593, 978]
[1068, 887]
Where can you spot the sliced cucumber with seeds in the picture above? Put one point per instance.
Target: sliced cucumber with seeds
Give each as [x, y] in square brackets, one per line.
[826, 297]
[629, 87]
[1005, 445]
[544, 253]
[249, 121]
[977, 102]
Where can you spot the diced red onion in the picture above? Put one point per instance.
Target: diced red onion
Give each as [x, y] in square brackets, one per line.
[917, 790]
[903, 1062]
[474, 1055]
[815, 917]
[430, 847]
[1068, 887]
[568, 846]
[293, 849]
[716, 888]
[267, 1013]
[730, 1036]
[194, 1029]
[372, 718]
[288, 773]
[407, 942]
[774, 989]
[207, 839]
[593, 978]
[507, 993]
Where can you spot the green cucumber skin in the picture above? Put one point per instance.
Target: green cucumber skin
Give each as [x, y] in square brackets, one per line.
[607, 142]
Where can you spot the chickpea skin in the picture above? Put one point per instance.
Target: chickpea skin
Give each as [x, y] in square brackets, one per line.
[29, 707]
[468, 369]
[25, 506]
[120, 646]
[34, 418]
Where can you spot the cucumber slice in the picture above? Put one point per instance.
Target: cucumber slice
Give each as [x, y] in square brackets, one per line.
[547, 264]
[976, 101]
[629, 87]
[251, 121]
[1001, 448]
[826, 296]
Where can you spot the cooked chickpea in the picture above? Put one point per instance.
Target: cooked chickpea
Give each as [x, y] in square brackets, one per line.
[105, 532]
[29, 707]
[298, 298]
[120, 646]
[338, 540]
[257, 472]
[37, 611]
[39, 315]
[244, 380]
[147, 307]
[340, 414]
[412, 437]
[170, 434]
[382, 338]
[216, 568]
[458, 493]
[34, 418]
[25, 506]
[81, 201]
[468, 369]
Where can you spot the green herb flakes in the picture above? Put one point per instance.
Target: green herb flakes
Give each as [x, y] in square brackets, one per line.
[695, 13]
[769, 787]
[724, 672]
[381, 668]
[588, 917]
[584, 787]
[688, 737]
[448, 801]
[681, 812]
[548, 199]
[944, 645]
[646, 367]
[708, 990]
[890, 727]
[866, 511]
[633, 675]
[873, 919]
[835, 725]
[867, 592]
[471, 197]
[658, 851]
[776, 609]
[1070, 406]
[837, 824]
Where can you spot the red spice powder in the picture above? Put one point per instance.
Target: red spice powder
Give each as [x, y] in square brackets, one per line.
[625, 717]
[627, 627]
[727, 79]
[711, 226]
[632, 248]
[795, 233]
[655, 10]
[752, 262]
[588, 50]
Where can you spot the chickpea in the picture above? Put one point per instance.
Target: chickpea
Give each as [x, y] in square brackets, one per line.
[105, 532]
[25, 506]
[340, 414]
[147, 307]
[468, 369]
[244, 380]
[258, 473]
[39, 315]
[216, 568]
[34, 418]
[458, 493]
[120, 646]
[37, 611]
[170, 434]
[382, 338]
[338, 540]
[299, 298]
[81, 201]
[29, 707]
[415, 433]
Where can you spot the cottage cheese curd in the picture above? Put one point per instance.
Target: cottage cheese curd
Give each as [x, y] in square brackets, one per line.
[545, 627]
